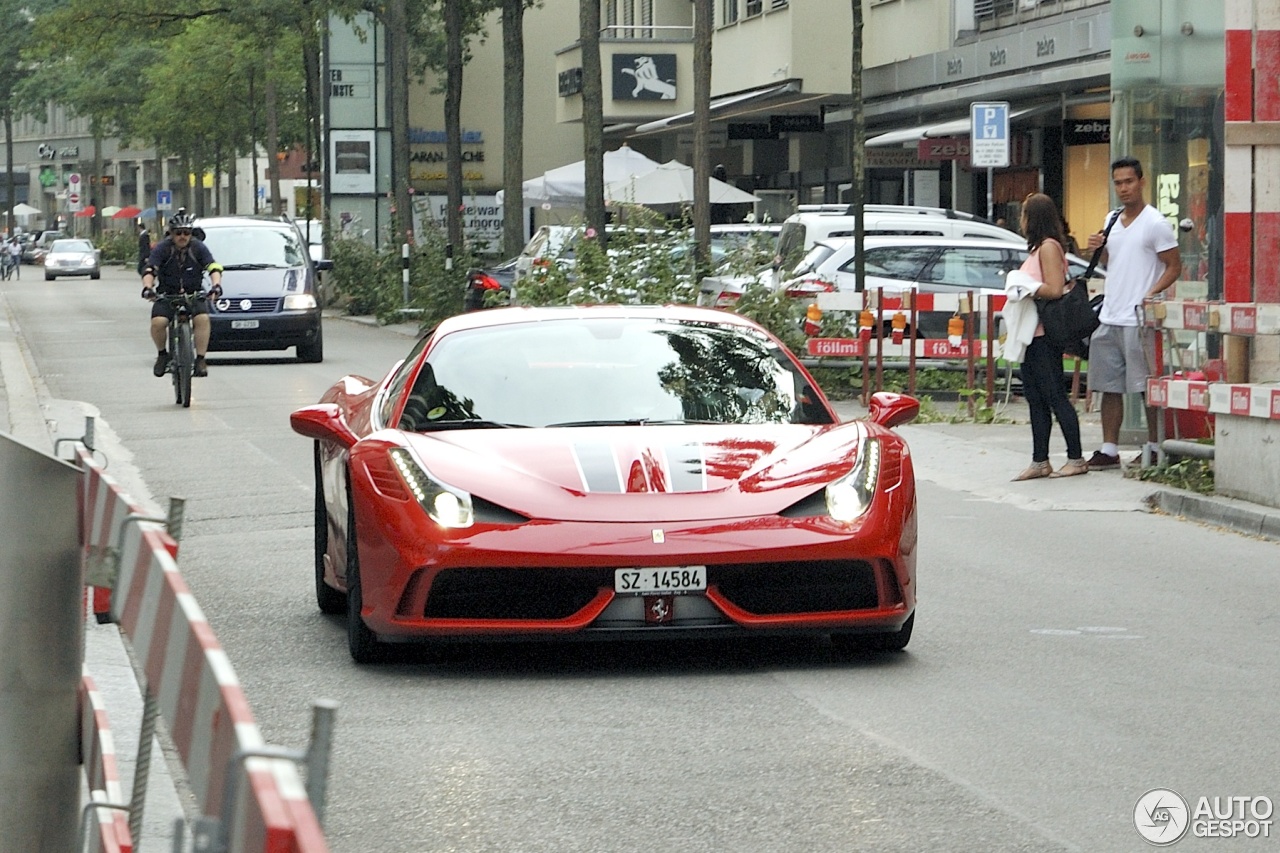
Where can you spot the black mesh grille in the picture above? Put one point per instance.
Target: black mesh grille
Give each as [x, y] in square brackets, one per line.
[522, 593]
[803, 587]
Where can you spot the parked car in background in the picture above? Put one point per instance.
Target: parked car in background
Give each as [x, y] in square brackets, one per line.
[34, 251]
[71, 256]
[801, 230]
[922, 264]
[269, 299]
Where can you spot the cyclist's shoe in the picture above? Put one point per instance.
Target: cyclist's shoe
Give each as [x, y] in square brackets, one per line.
[202, 369]
[162, 363]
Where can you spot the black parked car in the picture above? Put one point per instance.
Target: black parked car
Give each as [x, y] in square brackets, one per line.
[481, 282]
[269, 299]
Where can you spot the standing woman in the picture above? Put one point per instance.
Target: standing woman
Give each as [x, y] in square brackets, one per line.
[1043, 383]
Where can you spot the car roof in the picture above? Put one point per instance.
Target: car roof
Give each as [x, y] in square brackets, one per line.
[877, 240]
[520, 314]
[229, 221]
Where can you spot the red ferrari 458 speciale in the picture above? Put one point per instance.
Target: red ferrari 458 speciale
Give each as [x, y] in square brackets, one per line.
[608, 471]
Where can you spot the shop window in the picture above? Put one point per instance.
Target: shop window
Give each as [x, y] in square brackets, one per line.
[729, 12]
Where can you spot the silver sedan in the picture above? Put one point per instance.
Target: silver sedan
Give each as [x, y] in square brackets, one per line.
[71, 257]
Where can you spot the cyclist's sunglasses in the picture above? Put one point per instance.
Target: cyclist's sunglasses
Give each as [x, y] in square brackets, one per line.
[179, 232]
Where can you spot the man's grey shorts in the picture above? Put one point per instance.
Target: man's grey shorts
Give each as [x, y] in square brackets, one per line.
[1119, 359]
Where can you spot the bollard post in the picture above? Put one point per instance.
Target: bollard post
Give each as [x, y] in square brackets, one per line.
[966, 308]
[991, 349]
[915, 333]
[448, 257]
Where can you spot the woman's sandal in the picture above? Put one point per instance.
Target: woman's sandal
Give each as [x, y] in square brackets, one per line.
[1072, 469]
[1035, 471]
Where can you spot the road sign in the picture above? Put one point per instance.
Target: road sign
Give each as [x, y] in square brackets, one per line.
[164, 199]
[989, 141]
[73, 191]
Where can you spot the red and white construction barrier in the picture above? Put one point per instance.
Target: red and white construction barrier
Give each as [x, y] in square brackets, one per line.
[1216, 398]
[1227, 318]
[108, 830]
[195, 688]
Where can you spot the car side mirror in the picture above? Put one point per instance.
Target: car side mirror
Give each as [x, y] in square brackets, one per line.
[889, 409]
[323, 422]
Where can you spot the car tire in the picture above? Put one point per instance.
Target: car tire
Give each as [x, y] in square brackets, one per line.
[95, 275]
[894, 641]
[313, 353]
[361, 642]
[49, 276]
[328, 599]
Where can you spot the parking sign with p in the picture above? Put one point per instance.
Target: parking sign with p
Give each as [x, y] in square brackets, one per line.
[989, 145]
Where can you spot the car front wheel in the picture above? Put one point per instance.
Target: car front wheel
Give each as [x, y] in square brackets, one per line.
[361, 642]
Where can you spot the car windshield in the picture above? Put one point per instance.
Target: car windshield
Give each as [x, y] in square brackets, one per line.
[255, 245]
[810, 262]
[608, 371]
[71, 246]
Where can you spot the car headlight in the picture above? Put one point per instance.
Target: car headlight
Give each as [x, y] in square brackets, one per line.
[448, 507]
[88, 262]
[299, 302]
[851, 495]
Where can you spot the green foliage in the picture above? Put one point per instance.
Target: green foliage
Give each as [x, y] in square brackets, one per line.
[119, 247]
[369, 281]
[1194, 475]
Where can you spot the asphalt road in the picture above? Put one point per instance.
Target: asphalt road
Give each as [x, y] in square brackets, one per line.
[1064, 661]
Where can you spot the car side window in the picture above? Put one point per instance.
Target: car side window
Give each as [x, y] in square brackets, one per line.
[395, 388]
[903, 263]
[968, 267]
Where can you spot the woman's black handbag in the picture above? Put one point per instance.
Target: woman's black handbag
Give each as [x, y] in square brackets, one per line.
[1070, 320]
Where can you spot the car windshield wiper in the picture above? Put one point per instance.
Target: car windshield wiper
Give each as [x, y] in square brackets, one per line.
[254, 266]
[633, 422]
[468, 423]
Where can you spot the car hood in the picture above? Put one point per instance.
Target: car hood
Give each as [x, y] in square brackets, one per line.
[268, 282]
[665, 473]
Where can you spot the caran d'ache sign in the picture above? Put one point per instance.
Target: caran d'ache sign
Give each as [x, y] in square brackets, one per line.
[644, 76]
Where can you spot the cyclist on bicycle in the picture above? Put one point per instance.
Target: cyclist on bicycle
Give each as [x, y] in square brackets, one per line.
[177, 265]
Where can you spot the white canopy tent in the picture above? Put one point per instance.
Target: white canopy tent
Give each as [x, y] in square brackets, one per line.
[671, 183]
[24, 209]
[565, 186]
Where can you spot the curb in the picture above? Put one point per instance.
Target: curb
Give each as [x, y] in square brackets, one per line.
[1240, 516]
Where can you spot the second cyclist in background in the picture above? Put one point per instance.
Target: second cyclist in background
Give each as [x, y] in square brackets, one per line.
[177, 265]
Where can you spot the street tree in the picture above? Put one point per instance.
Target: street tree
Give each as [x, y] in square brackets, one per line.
[592, 116]
[16, 24]
[857, 149]
[702, 12]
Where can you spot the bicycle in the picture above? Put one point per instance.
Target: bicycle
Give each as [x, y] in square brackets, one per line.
[182, 346]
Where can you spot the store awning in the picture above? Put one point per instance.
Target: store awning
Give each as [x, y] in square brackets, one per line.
[720, 105]
[954, 127]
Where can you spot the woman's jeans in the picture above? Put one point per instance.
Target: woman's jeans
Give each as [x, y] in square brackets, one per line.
[1044, 389]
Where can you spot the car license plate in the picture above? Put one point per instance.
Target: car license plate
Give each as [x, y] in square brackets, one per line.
[672, 581]
[244, 324]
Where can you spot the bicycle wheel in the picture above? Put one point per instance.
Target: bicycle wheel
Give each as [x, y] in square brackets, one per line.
[184, 363]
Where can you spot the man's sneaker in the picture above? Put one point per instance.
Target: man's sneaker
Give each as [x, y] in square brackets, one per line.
[162, 363]
[202, 369]
[1103, 460]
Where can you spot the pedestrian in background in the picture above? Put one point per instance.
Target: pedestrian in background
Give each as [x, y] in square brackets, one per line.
[1040, 366]
[1142, 259]
[14, 250]
[144, 246]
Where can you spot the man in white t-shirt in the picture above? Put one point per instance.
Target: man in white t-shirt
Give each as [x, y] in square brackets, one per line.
[1142, 260]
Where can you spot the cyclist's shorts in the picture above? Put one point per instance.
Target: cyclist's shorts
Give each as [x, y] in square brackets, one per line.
[161, 308]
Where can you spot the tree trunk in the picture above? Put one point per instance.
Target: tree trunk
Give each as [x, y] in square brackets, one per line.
[513, 236]
[396, 25]
[702, 12]
[453, 121]
[857, 151]
[273, 138]
[253, 139]
[98, 195]
[592, 116]
[10, 221]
